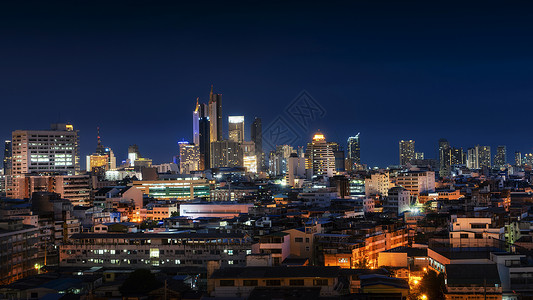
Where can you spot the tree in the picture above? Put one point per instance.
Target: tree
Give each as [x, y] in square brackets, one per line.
[432, 285]
[140, 281]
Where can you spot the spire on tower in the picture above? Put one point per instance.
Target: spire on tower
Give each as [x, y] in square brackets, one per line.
[197, 104]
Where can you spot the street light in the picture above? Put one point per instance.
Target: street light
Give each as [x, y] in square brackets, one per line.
[424, 297]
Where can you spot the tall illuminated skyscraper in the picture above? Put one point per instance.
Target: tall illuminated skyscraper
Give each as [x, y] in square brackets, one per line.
[472, 161]
[354, 149]
[189, 157]
[500, 159]
[407, 151]
[236, 128]
[8, 153]
[518, 158]
[215, 116]
[320, 157]
[256, 135]
[196, 123]
[133, 154]
[102, 160]
[204, 136]
[484, 156]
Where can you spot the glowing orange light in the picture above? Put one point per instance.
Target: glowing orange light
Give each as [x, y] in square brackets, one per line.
[318, 137]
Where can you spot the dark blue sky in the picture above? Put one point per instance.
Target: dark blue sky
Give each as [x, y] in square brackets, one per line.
[389, 69]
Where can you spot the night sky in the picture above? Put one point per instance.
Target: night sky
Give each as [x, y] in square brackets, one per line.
[389, 70]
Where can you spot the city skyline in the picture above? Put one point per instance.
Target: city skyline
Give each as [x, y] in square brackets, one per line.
[143, 74]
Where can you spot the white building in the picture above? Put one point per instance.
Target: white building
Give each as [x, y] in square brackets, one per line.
[377, 184]
[44, 151]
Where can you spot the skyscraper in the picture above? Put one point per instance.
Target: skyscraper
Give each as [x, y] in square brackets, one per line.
[215, 116]
[189, 157]
[320, 157]
[236, 128]
[196, 123]
[7, 157]
[204, 136]
[500, 159]
[484, 156]
[256, 135]
[472, 161]
[407, 152]
[445, 158]
[354, 149]
[518, 158]
[226, 154]
[133, 154]
[102, 160]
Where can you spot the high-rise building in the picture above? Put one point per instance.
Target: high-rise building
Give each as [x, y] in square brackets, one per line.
[196, 123]
[226, 154]
[102, 160]
[407, 152]
[527, 159]
[478, 157]
[278, 159]
[500, 159]
[215, 116]
[472, 158]
[354, 150]
[319, 156]
[189, 157]
[236, 128]
[417, 182]
[53, 151]
[133, 154]
[457, 156]
[518, 158]
[484, 156]
[295, 168]
[204, 136]
[445, 159]
[7, 157]
[419, 155]
[256, 135]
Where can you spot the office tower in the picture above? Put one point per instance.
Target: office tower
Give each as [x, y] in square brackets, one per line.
[44, 151]
[517, 158]
[484, 156]
[445, 159]
[215, 116]
[338, 153]
[249, 159]
[256, 135]
[226, 154]
[457, 156]
[236, 128]
[7, 157]
[472, 161]
[527, 160]
[196, 123]
[295, 168]
[500, 159]
[319, 156]
[407, 152]
[204, 136]
[189, 157]
[133, 154]
[277, 162]
[102, 160]
[354, 150]
[419, 155]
